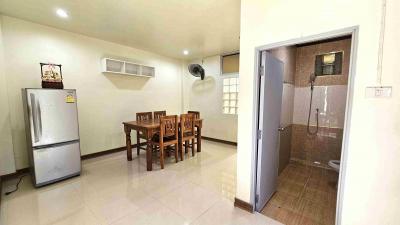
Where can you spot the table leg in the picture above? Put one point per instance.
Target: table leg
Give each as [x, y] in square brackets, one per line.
[137, 143]
[128, 143]
[199, 138]
[149, 152]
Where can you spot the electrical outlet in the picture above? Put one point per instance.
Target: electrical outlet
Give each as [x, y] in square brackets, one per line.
[378, 92]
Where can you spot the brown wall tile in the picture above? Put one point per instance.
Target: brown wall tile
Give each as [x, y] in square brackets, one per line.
[325, 146]
[288, 56]
[305, 63]
[285, 144]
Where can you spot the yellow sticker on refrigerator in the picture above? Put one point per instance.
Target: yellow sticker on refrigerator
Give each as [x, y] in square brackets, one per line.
[70, 99]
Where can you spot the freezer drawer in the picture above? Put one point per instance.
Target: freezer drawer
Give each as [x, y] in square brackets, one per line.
[53, 116]
[56, 163]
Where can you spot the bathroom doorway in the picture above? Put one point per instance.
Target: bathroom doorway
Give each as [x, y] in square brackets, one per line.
[309, 152]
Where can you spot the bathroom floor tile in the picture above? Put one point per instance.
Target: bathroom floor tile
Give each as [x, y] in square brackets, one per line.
[224, 213]
[306, 195]
[285, 201]
[291, 188]
[278, 213]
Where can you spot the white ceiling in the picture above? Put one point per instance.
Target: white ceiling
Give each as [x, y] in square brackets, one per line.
[166, 27]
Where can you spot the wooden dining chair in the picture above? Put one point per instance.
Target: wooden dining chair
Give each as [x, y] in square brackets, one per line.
[140, 117]
[196, 115]
[167, 136]
[186, 133]
[158, 114]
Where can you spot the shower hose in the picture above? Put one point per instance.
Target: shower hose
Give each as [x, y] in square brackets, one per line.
[309, 115]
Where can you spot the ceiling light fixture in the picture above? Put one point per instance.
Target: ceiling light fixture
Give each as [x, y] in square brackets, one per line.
[186, 52]
[62, 13]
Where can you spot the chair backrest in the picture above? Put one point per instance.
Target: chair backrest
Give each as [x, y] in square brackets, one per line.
[187, 123]
[169, 126]
[158, 114]
[196, 114]
[144, 116]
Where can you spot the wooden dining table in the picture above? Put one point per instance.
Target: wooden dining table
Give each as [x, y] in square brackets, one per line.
[149, 128]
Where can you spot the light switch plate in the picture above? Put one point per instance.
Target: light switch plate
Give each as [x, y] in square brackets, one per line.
[378, 92]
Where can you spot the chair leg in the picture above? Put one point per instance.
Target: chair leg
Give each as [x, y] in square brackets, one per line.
[192, 147]
[181, 150]
[168, 151]
[162, 156]
[186, 146]
[176, 153]
[137, 143]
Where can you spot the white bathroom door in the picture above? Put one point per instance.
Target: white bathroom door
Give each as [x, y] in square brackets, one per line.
[271, 87]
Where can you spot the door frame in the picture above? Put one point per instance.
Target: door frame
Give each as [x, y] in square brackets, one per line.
[353, 31]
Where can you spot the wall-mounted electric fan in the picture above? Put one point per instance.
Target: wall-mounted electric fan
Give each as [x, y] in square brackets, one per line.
[196, 70]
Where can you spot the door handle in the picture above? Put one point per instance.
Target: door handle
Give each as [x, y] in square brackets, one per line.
[281, 129]
[39, 119]
[34, 117]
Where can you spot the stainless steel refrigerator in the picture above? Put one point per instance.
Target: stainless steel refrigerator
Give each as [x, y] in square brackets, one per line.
[52, 132]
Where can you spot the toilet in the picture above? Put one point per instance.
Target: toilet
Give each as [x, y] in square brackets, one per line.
[334, 164]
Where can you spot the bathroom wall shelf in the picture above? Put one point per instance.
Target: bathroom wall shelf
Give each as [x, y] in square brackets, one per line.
[116, 66]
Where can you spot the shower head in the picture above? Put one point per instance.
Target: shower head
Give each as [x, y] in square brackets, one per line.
[312, 78]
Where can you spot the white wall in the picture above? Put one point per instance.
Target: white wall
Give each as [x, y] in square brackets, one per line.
[104, 101]
[7, 163]
[372, 178]
[206, 96]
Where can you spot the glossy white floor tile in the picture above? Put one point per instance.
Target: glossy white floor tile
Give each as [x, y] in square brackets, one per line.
[224, 213]
[190, 200]
[111, 190]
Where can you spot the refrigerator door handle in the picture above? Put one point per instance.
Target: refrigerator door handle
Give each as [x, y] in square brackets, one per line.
[39, 119]
[34, 117]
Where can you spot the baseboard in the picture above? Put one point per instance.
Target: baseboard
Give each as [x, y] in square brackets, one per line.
[106, 152]
[243, 205]
[83, 157]
[110, 151]
[16, 174]
[219, 140]
[307, 163]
